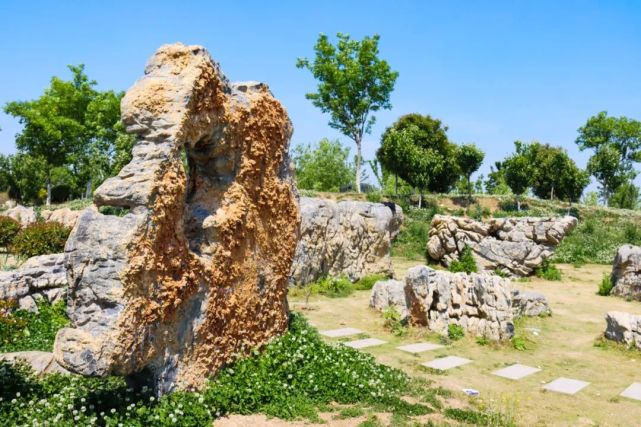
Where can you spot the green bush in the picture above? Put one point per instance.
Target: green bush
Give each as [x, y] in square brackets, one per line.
[466, 262]
[392, 321]
[548, 271]
[455, 332]
[367, 282]
[333, 287]
[411, 241]
[9, 227]
[374, 196]
[605, 287]
[22, 330]
[40, 239]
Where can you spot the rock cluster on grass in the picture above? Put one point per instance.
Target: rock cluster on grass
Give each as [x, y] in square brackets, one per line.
[27, 215]
[626, 272]
[529, 304]
[514, 246]
[196, 272]
[389, 293]
[344, 238]
[42, 276]
[624, 328]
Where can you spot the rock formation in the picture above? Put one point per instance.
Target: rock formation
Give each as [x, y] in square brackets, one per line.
[196, 272]
[22, 214]
[514, 246]
[480, 303]
[27, 215]
[42, 362]
[624, 328]
[42, 276]
[529, 304]
[344, 238]
[626, 272]
[389, 293]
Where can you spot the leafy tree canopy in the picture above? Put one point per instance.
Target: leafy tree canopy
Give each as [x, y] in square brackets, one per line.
[322, 167]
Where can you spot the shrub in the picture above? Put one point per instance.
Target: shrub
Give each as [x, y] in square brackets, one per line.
[605, 287]
[374, 196]
[367, 282]
[393, 322]
[22, 330]
[548, 271]
[40, 239]
[9, 227]
[455, 332]
[333, 287]
[519, 343]
[411, 241]
[466, 262]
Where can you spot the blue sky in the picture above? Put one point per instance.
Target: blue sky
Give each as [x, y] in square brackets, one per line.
[493, 71]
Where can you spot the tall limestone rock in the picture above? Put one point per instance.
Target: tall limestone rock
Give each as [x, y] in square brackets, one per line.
[196, 271]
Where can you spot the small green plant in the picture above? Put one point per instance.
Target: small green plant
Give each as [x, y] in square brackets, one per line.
[455, 332]
[393, 322]
[367, 282]
[482, 340]
[548, 271]
[333, 287]
[9, 227]
[605, 287]
[501, 273]
[374, 196]
[466, 262]
[22, 330]
[40, 239]
[519, 343]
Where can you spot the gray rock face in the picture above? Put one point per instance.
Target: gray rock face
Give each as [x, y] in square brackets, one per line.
[42, 362]
[39, 277]
[344, 238]
[530, 304]
[22, 214]
[626, 272]
[516, 246]
[479, 303]
[389, 293]
[624, 328]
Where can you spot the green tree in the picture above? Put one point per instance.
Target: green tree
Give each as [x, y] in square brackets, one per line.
[71, 125]
[322, 167]
[469, 160]
[518, 175]
[352, 84]
[616, 142]
[626, 196]
[495, 182]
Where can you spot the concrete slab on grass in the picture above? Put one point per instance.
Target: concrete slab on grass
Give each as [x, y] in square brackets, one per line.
[633, 392]
[516, 371]
[566, 385]
[419, 347]
[448, 362]
[367, 342]
[342, 332]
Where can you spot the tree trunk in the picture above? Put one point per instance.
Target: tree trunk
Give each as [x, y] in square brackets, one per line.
[396, 185]
[518, 204]
[420, 198]
[88, 190]
[358, 165]
[48, 202]
[552, 193]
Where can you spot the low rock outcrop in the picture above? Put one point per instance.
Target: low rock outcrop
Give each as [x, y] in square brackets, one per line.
[626, 272]
[42, 276]
[344, 238]
[27, 215]
[624, 328]
[479, 303]
[42, 362]
[196, 272]
[24, 215]
[389, 293]
[515, 246]
[529, 304]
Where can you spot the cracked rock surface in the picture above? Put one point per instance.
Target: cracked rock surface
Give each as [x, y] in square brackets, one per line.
[626, 272]
[514, 246]
[196, 272]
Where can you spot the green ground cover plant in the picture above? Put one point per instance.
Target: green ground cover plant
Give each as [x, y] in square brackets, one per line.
[22, 330]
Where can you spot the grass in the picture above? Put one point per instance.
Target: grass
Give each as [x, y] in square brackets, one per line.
[336, 287]
[548, 271]
[21, 330]
[605, 287]
[411, 242]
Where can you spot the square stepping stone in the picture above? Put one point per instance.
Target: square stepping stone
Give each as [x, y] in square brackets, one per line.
[566, 385]
[342, 332]
[632, 392]
[448, 362]
[367, 342]
[419, 347]
[516, 371]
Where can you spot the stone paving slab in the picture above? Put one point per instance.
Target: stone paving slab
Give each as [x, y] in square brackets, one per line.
[419, 347]
[516, 371]
[448, 362]
[632, 392]
[566, 385]
[342, 332]
[367, 342]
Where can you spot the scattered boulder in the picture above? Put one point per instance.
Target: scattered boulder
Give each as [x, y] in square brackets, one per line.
[42, 276]
[195, 273]
[530, 304]
[514, 246]
[344, 238]
[480, 303]
[24, 215]
[389, 293]
[626, 272]
[42, 362]
[623, 328]
[65, 216]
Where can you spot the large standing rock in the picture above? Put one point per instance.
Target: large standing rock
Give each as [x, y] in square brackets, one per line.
[196, 272]
[624, 328]
[515, 246]
[626, 272]
[479, 303]
[389, 293]
[42, 276]
[344, 238]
